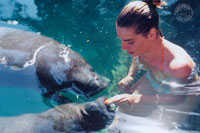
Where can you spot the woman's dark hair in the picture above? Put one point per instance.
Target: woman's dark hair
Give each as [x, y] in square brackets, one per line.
[141, 15]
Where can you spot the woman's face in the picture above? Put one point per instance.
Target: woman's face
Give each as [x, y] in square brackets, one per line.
[134, 44]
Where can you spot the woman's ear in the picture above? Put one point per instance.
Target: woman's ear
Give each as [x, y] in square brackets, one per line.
[152, 34]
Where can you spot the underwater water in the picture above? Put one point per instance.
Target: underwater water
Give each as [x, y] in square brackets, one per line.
[89, 27]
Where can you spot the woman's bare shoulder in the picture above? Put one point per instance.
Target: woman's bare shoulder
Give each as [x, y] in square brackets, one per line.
[182, 64]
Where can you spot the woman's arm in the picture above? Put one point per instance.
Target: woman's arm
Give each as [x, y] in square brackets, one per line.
[163, 99]
[131, 74]
[133, 68]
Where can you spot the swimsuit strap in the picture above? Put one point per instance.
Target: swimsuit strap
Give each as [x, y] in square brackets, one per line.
[162, 57]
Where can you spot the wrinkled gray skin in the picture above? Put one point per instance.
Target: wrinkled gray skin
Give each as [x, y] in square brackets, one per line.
[58, 68]
[91, 116]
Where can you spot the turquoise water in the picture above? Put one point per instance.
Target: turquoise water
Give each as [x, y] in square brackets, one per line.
[89, 27]
[19, 92]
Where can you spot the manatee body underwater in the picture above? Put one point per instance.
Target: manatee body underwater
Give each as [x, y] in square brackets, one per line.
[71, 117]
[57, 67]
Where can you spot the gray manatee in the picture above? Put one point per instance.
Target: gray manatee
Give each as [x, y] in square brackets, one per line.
[73, 117]
[58, 68]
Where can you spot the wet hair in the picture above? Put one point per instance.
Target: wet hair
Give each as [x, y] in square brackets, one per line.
[141, 15]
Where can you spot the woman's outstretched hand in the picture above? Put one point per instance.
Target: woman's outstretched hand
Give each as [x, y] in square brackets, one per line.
[122, 98]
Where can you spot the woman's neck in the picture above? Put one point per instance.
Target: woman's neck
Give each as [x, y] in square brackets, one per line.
[154, 52]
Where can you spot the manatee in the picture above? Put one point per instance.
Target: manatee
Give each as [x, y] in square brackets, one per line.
[58, 68]
[71, 117]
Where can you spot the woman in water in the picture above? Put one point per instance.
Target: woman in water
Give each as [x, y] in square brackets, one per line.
[164, 62]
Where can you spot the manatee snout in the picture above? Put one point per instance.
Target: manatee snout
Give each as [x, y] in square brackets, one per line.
[98, 115]
[98, 84]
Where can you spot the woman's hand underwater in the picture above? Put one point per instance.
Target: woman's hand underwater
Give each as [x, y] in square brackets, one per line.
[124, 98]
